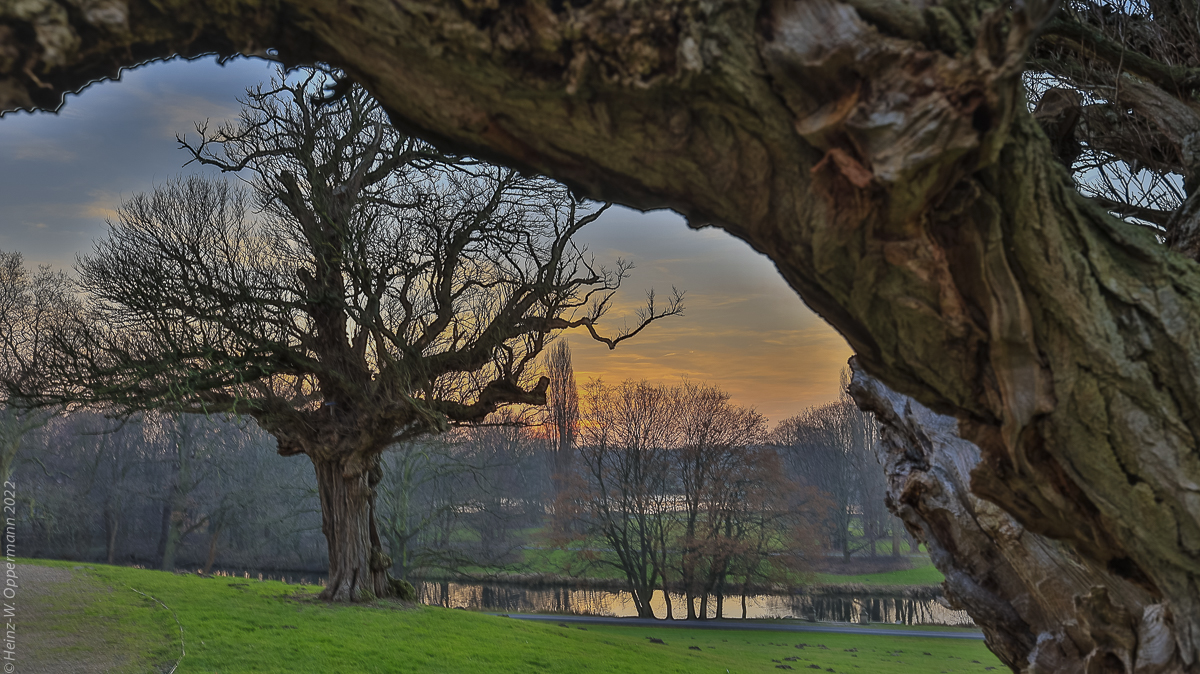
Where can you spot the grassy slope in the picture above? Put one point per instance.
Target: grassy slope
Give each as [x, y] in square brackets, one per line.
[251, 626]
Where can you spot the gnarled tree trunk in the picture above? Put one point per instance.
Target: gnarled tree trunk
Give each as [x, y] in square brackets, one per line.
[1043, 607]
[882, 155]
[358, 567]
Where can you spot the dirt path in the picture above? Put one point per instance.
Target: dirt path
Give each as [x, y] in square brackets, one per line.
[48, 602]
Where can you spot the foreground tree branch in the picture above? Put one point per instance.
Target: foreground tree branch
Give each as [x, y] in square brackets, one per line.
[884, 158]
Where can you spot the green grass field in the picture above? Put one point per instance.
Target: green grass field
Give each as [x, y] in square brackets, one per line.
[544, 559]
[926, 574]
[233, 625]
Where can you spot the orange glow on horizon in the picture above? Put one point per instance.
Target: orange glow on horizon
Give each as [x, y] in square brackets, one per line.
[743, 329]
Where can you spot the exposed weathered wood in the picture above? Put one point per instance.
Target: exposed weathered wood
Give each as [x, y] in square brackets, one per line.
[1044, 608]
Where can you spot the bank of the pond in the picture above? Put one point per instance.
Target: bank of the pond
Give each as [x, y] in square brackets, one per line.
[847, 602]
[246, 625]
[835, 585]
[939, 632]
[844, 604]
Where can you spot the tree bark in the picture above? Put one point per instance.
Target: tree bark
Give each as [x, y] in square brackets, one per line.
[883, 157]
[1043, 607]
[214, 537]
[358, 568]
[641, 600]
[112, 523]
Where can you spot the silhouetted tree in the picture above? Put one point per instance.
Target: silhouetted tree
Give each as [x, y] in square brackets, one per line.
[383, 291]
[33, 307]
[562, 411]
[712, 462]
[833, 447]
[627, 435]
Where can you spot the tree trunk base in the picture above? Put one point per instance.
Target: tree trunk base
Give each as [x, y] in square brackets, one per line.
[358, 567]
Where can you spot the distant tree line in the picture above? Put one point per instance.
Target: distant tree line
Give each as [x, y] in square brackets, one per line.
[834, 448]
[675, 486]
[677, 483]
[198, 493]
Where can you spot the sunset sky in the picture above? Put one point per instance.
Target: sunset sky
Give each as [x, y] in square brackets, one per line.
[744, 329]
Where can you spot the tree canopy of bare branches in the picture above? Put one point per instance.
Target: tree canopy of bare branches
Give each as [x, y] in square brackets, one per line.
[378, 291]
[34, 306]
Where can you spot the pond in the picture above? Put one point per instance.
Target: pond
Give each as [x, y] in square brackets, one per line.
[512, 598]
[504, 598]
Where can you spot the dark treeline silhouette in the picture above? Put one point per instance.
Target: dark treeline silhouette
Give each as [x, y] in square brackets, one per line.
[196, 492]
[164, 491]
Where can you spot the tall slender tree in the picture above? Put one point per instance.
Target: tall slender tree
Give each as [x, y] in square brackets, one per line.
[562, 412]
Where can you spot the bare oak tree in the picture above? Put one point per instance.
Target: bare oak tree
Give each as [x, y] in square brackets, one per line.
[382, 291]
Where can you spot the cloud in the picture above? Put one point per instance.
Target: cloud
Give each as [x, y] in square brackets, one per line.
[182, 114]
[102, 206]
[744, 329]
[44, 151]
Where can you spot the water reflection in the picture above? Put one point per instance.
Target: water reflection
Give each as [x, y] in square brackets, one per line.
[517, 599]
[509, 598]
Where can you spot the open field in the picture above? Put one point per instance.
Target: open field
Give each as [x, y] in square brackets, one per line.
[926, 574]
[233, 625]
[544, 560]
[540, 557]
